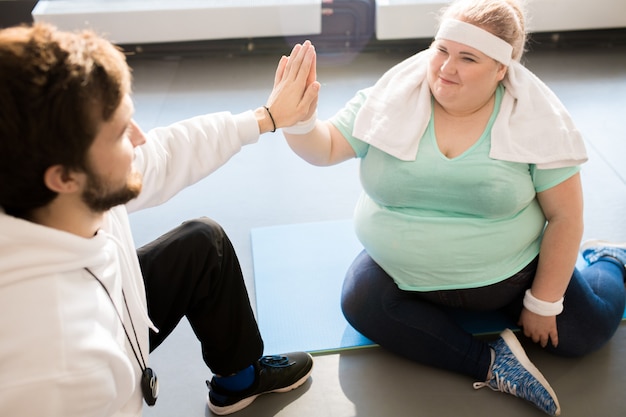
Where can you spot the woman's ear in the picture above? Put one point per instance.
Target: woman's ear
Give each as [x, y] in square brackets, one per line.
[61, 179]
[501, 71]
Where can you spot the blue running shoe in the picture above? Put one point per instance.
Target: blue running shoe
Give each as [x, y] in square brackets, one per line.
[592, 250]
[513, 373]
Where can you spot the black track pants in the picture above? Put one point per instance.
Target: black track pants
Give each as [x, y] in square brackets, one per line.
[193, 271]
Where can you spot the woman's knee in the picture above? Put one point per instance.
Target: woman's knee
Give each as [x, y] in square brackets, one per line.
[578, 342]
[353, 288]
[364, 289]
[594, 307]
[349, 299]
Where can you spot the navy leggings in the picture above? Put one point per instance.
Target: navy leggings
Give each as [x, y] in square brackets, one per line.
[193, 272]
[421, 326]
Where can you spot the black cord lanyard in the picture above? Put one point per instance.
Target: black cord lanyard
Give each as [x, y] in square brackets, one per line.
[149, 381]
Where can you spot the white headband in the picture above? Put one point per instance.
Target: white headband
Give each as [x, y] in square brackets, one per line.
[475, 37]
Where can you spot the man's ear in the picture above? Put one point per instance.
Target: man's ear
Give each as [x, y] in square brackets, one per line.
[61, 179]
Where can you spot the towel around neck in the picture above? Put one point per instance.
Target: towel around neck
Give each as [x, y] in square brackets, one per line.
[532, 125]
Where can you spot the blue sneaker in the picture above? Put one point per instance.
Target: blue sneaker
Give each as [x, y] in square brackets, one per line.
[513, 373]
[592, 250]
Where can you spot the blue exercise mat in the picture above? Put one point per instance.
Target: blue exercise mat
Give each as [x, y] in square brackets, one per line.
[298, 274]
[299, 270]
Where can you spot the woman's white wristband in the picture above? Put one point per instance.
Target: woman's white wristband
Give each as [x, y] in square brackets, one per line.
[302, 128]
[542, 308]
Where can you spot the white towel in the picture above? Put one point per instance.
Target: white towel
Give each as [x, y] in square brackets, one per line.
[532, 126]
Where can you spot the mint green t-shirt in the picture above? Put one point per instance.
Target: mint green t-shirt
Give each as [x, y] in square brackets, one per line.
[438, 223]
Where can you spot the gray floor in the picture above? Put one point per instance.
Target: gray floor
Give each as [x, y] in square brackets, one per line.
[267, 185]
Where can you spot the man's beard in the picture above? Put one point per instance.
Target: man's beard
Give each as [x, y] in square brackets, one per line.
[100, 197]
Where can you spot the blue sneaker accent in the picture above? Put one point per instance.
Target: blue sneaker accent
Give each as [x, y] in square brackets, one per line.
[238, 382]
[513, 373]
[593, 250]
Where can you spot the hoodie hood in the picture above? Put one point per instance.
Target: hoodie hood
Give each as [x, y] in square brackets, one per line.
[29, 250]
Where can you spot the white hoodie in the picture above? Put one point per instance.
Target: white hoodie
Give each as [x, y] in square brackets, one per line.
[63, 351]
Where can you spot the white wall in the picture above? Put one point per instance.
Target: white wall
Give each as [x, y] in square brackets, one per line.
[148, 21]
[407, 19]
[152, 21]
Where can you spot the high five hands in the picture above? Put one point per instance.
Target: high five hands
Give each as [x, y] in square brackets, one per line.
[295, 93]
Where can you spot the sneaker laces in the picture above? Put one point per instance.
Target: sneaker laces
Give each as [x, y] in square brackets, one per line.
[276, 361]
[502, 385]
[505, 386]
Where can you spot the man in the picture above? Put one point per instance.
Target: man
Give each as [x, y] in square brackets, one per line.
[77, 299]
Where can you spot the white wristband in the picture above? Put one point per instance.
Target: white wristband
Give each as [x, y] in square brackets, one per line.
[302, 128]
[542, 308]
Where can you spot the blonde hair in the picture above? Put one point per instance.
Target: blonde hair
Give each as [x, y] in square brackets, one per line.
[503, 18]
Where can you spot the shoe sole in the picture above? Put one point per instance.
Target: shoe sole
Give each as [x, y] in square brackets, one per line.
[594, 243]
[516, 348]
[240, 405]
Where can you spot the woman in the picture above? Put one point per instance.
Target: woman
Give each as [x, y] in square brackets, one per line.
[472, 200]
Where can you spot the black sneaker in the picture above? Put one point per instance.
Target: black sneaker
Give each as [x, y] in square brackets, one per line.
[276, 373]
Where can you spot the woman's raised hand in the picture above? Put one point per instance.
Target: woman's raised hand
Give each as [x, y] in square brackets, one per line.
[295, 93]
